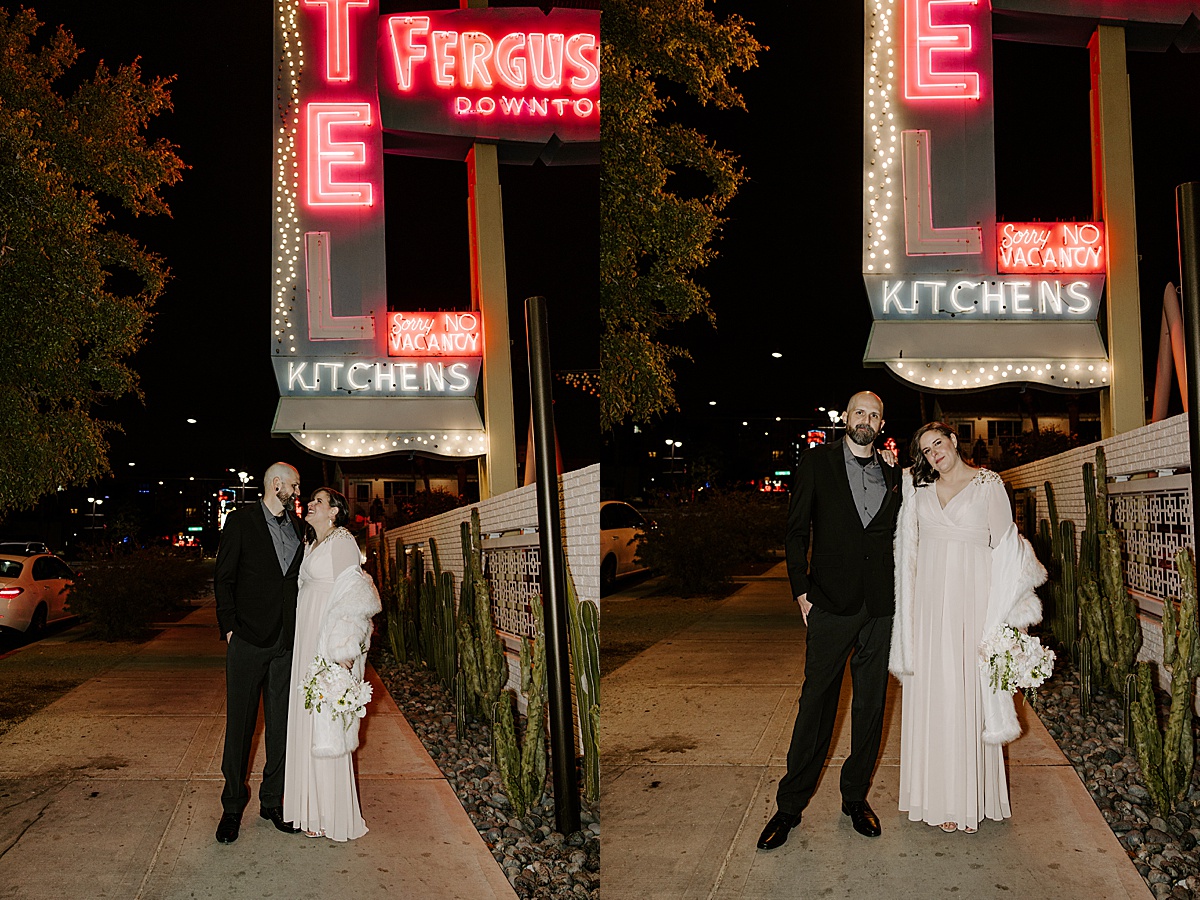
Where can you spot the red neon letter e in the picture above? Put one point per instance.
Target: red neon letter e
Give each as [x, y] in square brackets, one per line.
[923, 39]
[324, 153]
[337, 36]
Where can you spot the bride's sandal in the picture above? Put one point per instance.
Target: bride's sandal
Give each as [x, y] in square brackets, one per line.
[314, 834]
[968, 830]
[948, 827]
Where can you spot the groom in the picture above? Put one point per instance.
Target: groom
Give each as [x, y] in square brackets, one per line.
[255, 583]
[845, 503]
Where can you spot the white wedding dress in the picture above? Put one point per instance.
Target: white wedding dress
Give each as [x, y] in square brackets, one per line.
[947, 772]
[319, 794]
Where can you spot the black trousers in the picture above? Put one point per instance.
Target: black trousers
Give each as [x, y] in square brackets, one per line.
[250, 673]
[830, 640]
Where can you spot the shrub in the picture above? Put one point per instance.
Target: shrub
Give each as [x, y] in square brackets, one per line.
[122, 595]
[422, 505]
[1034, 445]
[698, 546]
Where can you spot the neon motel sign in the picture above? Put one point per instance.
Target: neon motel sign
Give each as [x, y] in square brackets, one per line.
[346, 77]
[934, 257]
[492, 72]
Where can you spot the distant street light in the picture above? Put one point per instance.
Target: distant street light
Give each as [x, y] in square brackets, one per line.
[243, 477]
[95, 501]
[673, 444]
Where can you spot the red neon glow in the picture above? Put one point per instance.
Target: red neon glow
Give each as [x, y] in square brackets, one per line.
[510, 61]
[920, 237]
[474, 59]
[546, 61]
[324, 153]
[1050, 247]
[582, 49]
[476, 51]
[444, 43]
[337, 35]
[926, 44]
[434, 334]
[406, 51]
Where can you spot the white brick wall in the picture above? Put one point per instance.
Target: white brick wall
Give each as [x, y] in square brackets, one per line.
[1162, 445]
[578, 507]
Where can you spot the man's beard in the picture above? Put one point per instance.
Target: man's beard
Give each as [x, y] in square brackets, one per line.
[286, 498]
[863, 435]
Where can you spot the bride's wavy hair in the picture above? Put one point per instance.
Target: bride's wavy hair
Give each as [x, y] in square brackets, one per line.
[339, 502]
[922, 471]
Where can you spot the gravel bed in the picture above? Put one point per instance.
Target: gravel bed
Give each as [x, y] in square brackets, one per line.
[538, 861]
[1162, 849]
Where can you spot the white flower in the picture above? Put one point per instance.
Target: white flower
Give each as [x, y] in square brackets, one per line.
[333, 687]
[1014, 659]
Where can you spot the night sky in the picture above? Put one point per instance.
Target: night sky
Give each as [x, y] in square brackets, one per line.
[789, 277]
[208, 356]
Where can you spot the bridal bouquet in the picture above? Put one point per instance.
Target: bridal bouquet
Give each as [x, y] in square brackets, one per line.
[1014, 659]
[333, 689]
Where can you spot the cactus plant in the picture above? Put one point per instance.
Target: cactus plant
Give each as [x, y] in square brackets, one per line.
[1057, 539]
[584, 622]
[435, 632]
[1166, 758]
[522, 764]
[1109, 615]
[482, 667]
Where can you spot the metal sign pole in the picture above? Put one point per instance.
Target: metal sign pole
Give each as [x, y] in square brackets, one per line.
[1187, 217]
[554, 582]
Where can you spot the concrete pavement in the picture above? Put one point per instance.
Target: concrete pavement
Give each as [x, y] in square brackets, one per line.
[694, 740]
[114, 790]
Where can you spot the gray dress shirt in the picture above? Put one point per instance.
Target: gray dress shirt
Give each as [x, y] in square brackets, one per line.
[866, 484]
[283, 536]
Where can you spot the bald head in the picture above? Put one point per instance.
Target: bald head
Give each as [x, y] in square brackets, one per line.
[281, 486]
[864, 421]
[858, 399]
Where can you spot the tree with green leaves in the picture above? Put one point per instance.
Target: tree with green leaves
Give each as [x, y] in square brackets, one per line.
[653, 239]
[75, 293]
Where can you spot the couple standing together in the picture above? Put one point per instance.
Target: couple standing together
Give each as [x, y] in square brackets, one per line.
[288, 591]
[907, 572]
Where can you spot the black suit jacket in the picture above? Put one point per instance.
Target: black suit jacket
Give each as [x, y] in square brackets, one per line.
[255, 600]
[850, 564]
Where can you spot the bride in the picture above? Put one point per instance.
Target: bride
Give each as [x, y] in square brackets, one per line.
[333, 620]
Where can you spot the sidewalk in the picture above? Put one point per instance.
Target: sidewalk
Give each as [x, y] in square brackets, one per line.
[695, 734]
[114, 791]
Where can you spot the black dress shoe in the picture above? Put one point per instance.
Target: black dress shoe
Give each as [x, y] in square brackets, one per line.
[864, 818]
[275, 815]
[227, 829]
[776, 832]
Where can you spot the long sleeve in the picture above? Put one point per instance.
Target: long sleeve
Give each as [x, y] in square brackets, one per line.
[343, 550]
[346, 628]
[900, 657]
[225, 575]
[999, 512]
[799, 526]
[1016, 572]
